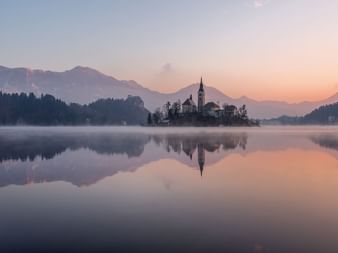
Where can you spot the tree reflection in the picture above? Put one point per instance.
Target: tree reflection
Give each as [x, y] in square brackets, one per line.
[326, 140]
[112, 153]
[48, 146]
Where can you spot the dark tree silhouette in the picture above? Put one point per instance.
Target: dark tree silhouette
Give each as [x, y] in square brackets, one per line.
[325, 114]
[46, 110]
[149, 119]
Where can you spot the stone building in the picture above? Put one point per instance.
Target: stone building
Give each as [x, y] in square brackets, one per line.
[189, 105]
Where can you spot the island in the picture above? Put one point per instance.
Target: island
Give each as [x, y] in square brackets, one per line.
[204, 114]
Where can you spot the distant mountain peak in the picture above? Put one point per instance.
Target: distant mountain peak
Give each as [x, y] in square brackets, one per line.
[77, 68]
[84, 70]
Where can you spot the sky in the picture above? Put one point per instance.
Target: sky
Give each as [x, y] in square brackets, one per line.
[264, 49]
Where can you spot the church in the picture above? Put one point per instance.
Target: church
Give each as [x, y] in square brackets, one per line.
[207, 109]
[200, 113]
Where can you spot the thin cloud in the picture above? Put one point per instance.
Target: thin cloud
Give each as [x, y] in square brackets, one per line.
[260, 3]
[170, 77]
[166, 75]
[167, 68]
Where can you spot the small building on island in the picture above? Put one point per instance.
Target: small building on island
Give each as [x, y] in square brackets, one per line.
[189, 105]
[212, 109]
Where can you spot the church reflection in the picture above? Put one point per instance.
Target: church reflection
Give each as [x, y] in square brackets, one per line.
[201, 157]
[201, 143]
[84, 159]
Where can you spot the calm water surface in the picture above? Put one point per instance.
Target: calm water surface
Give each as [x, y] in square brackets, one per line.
[169, 190]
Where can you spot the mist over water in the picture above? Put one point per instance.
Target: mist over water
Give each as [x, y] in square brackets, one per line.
[267, 189]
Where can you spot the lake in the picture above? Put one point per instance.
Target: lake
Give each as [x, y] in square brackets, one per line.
[268, 189]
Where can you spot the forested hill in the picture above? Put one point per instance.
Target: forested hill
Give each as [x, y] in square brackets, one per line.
[322, 115]
[326, 114]
[23, 109]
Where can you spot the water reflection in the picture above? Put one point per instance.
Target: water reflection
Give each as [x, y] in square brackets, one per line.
[84, 158]
[25, 158]
[202, 142]
[262, 190]
[326, 140]
[30, 146]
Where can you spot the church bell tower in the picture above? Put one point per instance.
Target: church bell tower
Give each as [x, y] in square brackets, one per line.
[201, 97]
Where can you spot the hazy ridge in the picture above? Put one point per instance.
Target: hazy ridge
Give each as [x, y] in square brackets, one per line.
[84, 85]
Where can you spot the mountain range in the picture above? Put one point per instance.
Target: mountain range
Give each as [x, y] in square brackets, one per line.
[84, 85]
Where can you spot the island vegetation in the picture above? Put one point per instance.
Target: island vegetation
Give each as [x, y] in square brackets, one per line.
[172, 115]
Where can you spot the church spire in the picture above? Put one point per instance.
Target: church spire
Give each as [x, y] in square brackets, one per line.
[201, 85]
[201, 97]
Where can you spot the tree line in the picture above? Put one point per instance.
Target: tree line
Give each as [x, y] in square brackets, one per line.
[324, 115]
[28, 109]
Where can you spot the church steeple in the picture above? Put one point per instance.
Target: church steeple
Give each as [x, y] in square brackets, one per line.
[201, 85]
[201, 97]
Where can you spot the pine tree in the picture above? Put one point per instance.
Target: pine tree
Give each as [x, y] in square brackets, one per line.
[149, 120]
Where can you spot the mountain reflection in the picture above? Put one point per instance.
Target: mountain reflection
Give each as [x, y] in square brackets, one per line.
[85, 158]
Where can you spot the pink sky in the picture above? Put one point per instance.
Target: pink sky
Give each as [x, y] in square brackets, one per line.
[263, 49]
